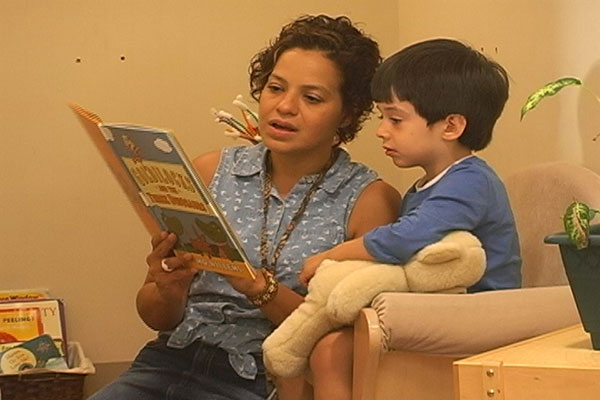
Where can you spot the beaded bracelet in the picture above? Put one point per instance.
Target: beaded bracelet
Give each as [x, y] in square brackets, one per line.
[268, 292]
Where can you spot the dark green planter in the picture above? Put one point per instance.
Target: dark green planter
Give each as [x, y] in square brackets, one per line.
[583, 271]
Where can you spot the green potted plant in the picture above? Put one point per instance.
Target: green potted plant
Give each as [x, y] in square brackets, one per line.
[580, 242]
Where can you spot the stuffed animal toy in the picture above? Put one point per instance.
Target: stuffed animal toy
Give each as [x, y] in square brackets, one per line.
[339, 290]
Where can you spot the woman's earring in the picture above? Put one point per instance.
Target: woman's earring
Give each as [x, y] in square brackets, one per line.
[336, 140]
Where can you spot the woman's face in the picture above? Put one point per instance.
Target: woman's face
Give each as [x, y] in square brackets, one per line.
[301, 107]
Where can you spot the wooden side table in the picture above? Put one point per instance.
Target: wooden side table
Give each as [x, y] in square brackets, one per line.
[560, 365]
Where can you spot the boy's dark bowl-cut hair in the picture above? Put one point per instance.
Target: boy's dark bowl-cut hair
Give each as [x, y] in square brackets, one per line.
[353, 52]
[440, 77]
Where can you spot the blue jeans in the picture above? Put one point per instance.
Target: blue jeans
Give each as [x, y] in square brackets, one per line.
[197, 372]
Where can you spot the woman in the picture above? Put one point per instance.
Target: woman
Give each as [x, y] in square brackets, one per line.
[294, 195]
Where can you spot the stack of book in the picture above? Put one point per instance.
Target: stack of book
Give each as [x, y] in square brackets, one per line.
[32, 331]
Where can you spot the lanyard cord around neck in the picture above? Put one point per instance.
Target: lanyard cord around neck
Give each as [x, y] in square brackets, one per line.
[267, 186]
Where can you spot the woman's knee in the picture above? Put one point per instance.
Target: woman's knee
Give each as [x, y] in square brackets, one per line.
[332, 350]
[296, 388]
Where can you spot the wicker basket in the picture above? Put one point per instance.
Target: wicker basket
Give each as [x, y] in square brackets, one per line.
[49, 385]
[43, 386]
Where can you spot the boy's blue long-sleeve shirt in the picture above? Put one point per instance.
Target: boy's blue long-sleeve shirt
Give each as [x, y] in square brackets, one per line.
[469, 196]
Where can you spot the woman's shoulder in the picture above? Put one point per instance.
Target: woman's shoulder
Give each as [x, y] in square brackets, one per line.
[206, 164]
[241, 160]
[381, 195]
[378, 204]
[350, 168]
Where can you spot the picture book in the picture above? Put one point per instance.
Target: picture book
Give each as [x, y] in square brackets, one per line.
[23, 320]
[166, 192]
[39, 352]
[23, 294]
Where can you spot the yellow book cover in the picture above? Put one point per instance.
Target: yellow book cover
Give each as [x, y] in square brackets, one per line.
[23, 294]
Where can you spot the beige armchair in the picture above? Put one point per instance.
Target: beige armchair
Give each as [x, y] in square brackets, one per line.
[405, 343]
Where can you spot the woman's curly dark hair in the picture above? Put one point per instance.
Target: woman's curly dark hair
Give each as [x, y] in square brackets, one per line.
[352, 51]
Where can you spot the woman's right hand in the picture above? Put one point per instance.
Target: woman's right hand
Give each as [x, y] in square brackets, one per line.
[171, 274]
[162, 299]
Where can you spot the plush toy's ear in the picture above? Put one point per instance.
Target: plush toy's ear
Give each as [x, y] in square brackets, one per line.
[451, 247]
[456, 262]
[286, 350]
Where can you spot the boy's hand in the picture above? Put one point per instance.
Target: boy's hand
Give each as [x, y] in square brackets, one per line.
[310, 267]
[351, 250]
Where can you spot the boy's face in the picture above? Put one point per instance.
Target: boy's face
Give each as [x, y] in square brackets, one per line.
[407, 139]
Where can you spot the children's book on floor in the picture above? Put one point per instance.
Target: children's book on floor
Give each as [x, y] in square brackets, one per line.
[23, 320]
[167, 194]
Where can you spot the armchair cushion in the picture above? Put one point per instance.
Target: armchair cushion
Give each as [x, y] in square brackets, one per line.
[459, 326]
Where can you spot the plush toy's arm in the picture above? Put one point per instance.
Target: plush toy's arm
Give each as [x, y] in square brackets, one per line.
[452, 264]
[286, 350]
[357, 290]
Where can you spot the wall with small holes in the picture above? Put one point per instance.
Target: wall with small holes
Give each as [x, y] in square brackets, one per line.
[66, 225]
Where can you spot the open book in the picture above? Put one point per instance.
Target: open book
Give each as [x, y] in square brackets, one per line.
[167, 194]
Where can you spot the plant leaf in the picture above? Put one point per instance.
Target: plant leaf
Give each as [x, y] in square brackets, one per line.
[577, 223]
[549, 89]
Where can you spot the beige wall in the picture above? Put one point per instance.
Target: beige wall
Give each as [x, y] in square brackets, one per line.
[66, 225]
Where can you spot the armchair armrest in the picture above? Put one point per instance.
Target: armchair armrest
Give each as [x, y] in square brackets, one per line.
[459, 325]
[367, 350]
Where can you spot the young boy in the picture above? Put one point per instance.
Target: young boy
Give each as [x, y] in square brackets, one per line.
[439, 101]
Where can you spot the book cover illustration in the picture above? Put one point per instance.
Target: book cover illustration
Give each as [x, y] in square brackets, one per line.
[39, 352]
[166, 193]
[24, 320]
[18, 323]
